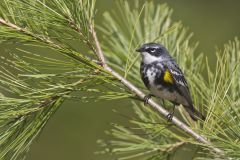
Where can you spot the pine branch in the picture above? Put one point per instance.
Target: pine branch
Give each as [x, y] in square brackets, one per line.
[31, 92]
[99, 51]
[30, 76]
[153, 104]
[48, 41]
[26, 32]
[141, 95]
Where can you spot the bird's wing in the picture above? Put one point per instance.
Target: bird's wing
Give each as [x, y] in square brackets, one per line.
[179, 81]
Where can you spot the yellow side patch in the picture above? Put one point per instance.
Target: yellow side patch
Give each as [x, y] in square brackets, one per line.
[168, 77]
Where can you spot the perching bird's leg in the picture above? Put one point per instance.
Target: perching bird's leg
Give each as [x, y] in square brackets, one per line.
[170, 115]
[146, 98]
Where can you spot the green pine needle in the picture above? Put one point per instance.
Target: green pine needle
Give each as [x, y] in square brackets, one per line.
[43, 67]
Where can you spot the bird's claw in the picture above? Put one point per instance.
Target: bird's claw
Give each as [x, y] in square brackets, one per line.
[169, 117]
[146, 98]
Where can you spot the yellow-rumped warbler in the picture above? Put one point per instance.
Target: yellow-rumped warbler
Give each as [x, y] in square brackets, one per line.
[163, 77]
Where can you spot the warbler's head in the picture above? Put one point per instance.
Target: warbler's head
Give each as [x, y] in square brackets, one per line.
[153, 52]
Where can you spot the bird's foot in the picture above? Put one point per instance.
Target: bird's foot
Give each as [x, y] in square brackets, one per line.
[146, 98]
[169, 117]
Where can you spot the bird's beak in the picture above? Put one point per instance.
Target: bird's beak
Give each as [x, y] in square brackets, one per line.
[139, 50]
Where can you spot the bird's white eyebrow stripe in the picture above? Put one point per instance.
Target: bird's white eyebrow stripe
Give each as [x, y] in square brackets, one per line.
[155, 47]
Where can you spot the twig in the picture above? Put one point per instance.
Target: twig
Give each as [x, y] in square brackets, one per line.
[39, 107]
[74, 26]
[26, 32]
[153, 104]
[175, 146]
[40, 38]
[99, 51]
[128, 84]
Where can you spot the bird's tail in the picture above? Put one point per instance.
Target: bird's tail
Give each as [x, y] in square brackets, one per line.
[194, 114]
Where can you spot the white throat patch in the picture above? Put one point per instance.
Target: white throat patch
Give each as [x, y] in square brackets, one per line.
[148, 58]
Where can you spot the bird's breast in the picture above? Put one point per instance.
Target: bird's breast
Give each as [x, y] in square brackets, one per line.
[149, 74]
[154, 78]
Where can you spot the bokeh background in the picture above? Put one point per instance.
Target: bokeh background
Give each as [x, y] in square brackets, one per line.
[72, 132]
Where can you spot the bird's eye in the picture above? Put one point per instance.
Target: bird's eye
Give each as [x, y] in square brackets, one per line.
[152, 50]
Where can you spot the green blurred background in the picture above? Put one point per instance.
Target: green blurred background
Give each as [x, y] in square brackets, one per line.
[73, 131]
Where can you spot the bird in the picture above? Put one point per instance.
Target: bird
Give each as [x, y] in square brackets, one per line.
[164, 79]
